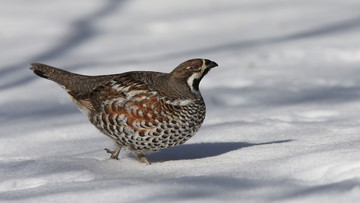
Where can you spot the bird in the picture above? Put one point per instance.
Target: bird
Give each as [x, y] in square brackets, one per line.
[142, 111]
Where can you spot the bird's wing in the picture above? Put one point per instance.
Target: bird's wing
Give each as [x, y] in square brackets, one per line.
[126, 96]
[132, 99]
[121, 87]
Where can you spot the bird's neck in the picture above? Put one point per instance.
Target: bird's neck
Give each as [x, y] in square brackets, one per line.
[183, 88]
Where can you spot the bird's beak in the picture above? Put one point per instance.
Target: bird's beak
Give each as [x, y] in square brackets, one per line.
[210, 64]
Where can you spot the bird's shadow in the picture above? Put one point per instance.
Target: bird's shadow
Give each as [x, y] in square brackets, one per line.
[203, 150]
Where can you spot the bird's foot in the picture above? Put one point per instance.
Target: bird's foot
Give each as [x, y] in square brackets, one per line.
[141, 157]
[114, 153]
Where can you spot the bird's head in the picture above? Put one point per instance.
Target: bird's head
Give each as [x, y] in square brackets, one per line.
[192, 71]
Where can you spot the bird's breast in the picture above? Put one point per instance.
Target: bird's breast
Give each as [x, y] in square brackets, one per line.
[146, 121]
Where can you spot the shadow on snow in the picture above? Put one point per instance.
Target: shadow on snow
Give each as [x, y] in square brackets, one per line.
[202, 150]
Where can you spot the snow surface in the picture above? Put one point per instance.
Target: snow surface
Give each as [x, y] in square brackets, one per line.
[283, 118]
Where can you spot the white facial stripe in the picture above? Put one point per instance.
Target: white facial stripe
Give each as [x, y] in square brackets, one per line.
[190, 81]
[203, 66]
[194, 76]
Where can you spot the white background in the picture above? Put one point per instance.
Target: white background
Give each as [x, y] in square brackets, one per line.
[283, 108]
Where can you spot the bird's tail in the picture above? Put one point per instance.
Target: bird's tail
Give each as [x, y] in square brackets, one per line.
[64, 78]
[59, 76]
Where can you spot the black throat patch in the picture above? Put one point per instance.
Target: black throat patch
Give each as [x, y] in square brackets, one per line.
[196, 82]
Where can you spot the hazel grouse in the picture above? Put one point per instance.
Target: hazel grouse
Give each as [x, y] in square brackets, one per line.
[143, 111]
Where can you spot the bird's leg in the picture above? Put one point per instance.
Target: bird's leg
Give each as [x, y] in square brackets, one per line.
[141, 157]
[115, 153]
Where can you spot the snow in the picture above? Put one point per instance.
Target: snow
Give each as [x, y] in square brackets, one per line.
[283, 107]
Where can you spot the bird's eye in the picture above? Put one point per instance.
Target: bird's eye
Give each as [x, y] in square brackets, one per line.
[195, 67]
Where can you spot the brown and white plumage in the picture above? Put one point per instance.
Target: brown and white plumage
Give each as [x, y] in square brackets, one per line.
[143, 111]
